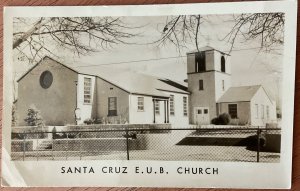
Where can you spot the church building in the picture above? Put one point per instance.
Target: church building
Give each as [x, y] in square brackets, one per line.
[71, 95]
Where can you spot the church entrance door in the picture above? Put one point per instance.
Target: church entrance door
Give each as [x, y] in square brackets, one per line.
[201, 115]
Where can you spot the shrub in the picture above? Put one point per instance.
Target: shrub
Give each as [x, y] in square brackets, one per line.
[98, 121]
[54, 135]
[88, 121]
[34, 117]
[222, 119]
[215, 121]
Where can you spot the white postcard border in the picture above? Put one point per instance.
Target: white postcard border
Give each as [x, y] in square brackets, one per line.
[231, 174]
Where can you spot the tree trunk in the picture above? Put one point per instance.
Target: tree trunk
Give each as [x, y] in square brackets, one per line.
[27, 34]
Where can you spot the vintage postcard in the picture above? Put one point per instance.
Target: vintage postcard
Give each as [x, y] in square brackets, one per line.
[187, 95]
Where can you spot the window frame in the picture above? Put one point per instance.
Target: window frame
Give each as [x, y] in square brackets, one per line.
[201, 85]
[268, 112]
[140, 100]
[262, 111]
[110, 111]
[235, 116]
[257, 111]
[157, 107]
[172, 105]
[87, 100]
[185, 105]
[44, 79]
[223, 85]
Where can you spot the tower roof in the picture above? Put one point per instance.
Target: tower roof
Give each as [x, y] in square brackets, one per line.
[205, 49]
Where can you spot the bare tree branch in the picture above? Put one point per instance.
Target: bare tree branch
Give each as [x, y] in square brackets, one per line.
[180, 30]
[80, 35]
[24, 36]
[197, 31]
[267, 27]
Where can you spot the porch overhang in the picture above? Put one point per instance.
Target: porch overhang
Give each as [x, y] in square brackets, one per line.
[166, 108]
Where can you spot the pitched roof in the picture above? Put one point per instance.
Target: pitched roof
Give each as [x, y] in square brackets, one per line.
[132, 82]
[204, 49]
[241, 93]
[129, 81]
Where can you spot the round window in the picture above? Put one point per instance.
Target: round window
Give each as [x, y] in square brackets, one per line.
[46, 79]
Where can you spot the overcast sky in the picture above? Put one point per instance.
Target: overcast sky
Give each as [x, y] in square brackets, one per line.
[249, 65]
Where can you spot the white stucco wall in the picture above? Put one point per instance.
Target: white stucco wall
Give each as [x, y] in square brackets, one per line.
[147, 116]
[179, 119]
[105, 90]
[217, 62]
[190, 63]
[140, 117]
[219, 84]
[210, 60]
[202, 98]
[212, 82]
[85, 108]
[262, 100]
[55, 103]
[243, 112]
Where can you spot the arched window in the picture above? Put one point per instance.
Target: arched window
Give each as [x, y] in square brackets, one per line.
[223, 64]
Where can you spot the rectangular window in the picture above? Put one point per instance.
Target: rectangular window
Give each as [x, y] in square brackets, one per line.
[87, 95]
[157, 107]
[185, 113]
[223, 64]
[140, 104]
[112, 106]
[256, 109]
[232, 110]
[172, 108]
[262, 111]
[201, 85]
[223, 85]
[268, 112]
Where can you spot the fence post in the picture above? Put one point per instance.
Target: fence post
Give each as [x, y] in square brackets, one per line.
[127, 143]
[37, 146]
[24, 145]
[52, 150]
[80, 142]
[258, 144]
[67, 146]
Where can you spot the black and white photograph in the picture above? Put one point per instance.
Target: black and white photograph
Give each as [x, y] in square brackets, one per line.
[204, 87]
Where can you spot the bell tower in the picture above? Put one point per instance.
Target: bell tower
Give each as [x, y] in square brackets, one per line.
[209, 76]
